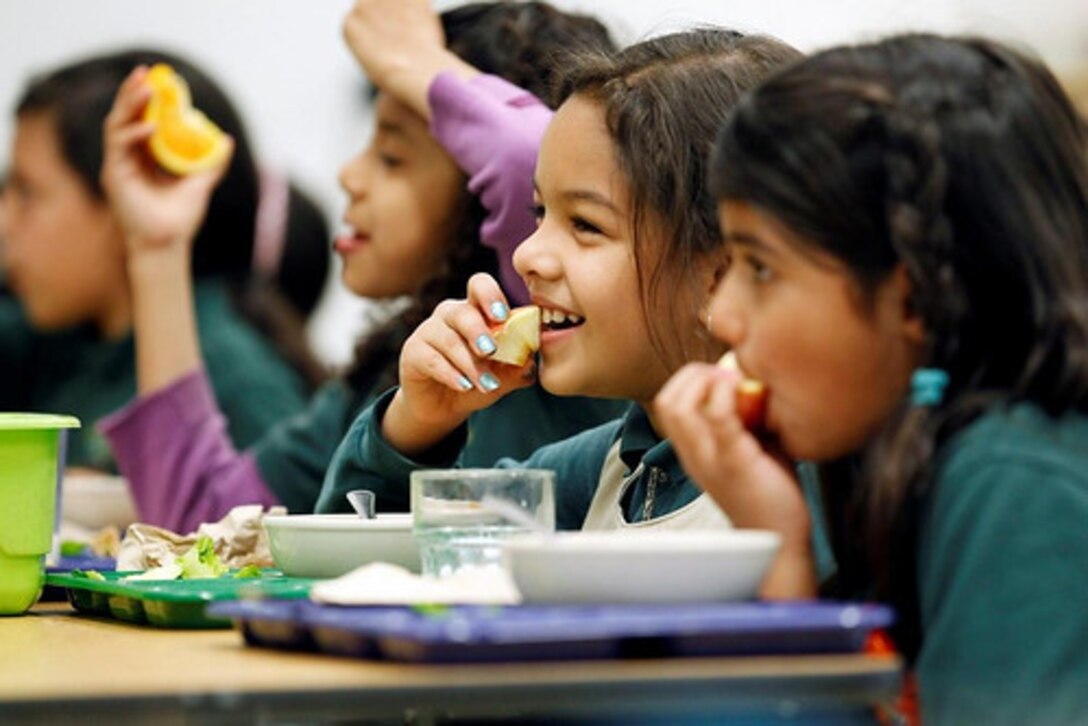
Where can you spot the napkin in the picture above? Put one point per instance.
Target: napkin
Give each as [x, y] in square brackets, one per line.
[239, 539]
[380, 583]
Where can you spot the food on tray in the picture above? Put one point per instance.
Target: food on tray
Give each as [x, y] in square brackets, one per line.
[185, 140]
[519, 337]
[751, 395]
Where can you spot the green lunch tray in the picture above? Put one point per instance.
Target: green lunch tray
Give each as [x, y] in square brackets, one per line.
[172, 603]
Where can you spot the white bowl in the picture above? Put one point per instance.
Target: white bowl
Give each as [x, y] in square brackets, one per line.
[330, 545]
[644, 567]
[94, 501]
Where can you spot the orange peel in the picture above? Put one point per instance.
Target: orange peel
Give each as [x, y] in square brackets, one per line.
[185, 141]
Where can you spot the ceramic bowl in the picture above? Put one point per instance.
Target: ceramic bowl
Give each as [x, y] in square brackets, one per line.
[94, 501]
[330, 545]
[644, 567]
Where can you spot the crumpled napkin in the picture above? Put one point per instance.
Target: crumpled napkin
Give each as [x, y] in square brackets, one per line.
[239, 539]
[380, 583]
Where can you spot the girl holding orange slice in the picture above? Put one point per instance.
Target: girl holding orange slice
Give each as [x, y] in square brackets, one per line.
[66, 337]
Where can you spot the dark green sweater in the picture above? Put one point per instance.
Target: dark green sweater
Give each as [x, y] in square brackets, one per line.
[76, 372]
[1003, 574]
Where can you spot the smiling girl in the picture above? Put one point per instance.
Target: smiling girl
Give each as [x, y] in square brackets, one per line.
[425, 210]
[623, 255]
[908, 223]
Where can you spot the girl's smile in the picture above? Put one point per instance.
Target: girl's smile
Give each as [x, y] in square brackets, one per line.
[580, 268]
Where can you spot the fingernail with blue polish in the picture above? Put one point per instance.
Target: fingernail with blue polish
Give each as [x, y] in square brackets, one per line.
[489, 382]
[485, 344]
[464, 383]
[499, 311]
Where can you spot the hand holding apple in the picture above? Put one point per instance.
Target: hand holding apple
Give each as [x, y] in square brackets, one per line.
[751, 395]
[448, 365]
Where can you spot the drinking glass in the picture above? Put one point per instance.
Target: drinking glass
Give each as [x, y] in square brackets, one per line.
[456, 523]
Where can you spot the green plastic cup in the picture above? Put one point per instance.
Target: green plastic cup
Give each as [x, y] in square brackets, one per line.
[29, 456]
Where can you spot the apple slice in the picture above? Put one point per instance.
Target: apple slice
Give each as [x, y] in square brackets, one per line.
[751, 396]
[517, 338]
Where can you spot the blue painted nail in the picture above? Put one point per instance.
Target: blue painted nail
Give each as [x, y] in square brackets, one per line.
[485, 344]
[489, 382]
[499, 311]
[464, 383]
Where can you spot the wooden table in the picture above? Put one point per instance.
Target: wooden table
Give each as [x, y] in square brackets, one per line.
[57, 665]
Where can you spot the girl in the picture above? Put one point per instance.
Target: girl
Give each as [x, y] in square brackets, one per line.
[67, 345]
[625, 227]
[415, 231]
[908, 223]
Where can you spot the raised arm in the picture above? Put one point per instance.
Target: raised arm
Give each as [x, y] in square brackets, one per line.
[159, 216]
[491, 128]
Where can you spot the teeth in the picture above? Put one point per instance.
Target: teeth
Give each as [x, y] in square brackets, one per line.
[558, 317]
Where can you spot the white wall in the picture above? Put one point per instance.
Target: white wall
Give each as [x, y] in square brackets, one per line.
[284, 63]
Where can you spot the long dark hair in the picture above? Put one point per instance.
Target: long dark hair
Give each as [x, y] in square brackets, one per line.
[962, 161]
[522, 43]
[664, 100]
[77, 98]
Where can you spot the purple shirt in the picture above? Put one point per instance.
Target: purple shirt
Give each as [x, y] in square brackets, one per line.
[172, 445]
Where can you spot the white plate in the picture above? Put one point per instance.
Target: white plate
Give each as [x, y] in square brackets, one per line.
[94, 501]
[646, 567]
[330, 545]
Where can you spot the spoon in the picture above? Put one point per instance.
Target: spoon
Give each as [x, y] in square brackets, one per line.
[362, 501]
[515, 514]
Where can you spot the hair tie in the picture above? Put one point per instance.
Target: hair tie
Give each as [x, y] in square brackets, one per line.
[927, 386]
[270, 234]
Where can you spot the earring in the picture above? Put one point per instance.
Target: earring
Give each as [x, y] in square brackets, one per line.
[707, 324]
[927, 386]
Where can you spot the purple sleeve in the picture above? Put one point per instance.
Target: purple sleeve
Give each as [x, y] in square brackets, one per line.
[172, 447]
[493, 129]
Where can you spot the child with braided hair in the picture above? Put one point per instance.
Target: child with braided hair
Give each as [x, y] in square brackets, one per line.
[908, 223]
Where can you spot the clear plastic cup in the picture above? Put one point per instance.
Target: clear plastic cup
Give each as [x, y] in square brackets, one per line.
[456, 527]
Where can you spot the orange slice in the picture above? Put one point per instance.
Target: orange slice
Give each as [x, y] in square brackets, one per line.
[185, 141]
[519, 337]
[751, 394]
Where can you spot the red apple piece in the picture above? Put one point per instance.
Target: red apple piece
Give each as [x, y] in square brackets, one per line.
[751, 395]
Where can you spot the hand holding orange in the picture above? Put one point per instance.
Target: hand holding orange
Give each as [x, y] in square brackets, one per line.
[185, 141]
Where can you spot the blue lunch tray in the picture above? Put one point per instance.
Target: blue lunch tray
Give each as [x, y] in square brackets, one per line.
[556, 632]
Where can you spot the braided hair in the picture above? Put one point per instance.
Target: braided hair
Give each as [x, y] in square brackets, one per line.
[962, 162]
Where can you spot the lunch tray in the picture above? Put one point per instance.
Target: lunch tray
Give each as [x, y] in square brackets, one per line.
[171, 603]
[76, 562]
[556, 632]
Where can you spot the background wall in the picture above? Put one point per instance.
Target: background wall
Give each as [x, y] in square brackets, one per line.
[284, 63]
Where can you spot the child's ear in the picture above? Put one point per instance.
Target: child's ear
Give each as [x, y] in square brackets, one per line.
[913, 327]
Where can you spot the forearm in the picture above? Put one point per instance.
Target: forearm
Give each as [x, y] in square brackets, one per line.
[173, 449]
[167, 346]
[411, 436]
[792, 575]
[410, 82]
[493, 130]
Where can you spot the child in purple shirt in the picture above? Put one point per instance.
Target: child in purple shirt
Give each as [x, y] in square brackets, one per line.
[416, 230]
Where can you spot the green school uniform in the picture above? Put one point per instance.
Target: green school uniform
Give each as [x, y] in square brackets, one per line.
[366, 461]
[76, 372]
[1003, 573]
